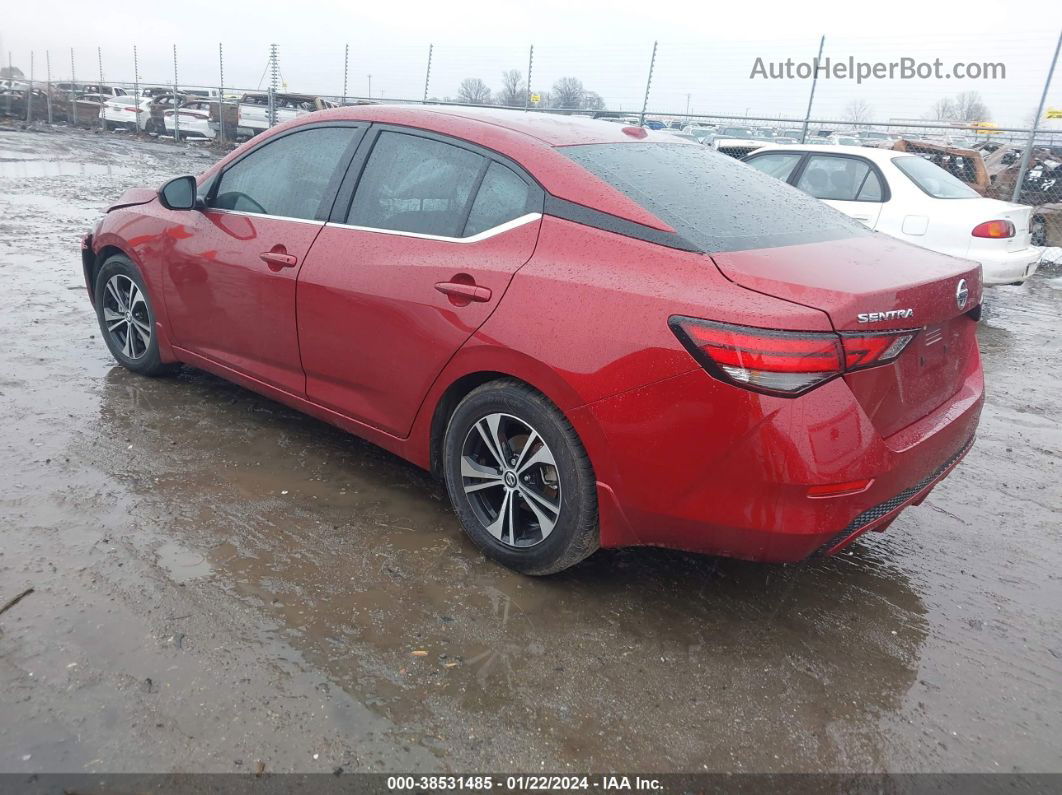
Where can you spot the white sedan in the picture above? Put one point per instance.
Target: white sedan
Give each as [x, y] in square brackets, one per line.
[908, 197]
[125, 112]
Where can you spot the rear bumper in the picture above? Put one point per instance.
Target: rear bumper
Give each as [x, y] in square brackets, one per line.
[1008, 267]
[699, 465]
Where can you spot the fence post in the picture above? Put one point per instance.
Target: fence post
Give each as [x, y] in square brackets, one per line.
[176, 104]
[273, 75]
[346, 70]
[29, 93]
[811, 97]
[136, 92]
[427, 73]
[73, 90]
[221, 94]
[648, 83]
[1036, 123]
[48, 77]
[530, 63]
[10, 71]
[99, 60]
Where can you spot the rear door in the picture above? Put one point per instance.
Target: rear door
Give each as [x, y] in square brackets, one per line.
[232, 271]
[847, 183]
[411, 265]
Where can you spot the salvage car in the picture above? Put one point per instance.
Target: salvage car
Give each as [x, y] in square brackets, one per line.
[192, 119]
[126, 112]
[253, 113]
[910, 198]
[594, 335]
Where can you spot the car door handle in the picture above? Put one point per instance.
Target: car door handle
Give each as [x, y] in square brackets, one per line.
[278, 260]
[470, 292]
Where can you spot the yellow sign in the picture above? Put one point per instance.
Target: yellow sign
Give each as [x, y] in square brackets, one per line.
[1054, 113]
[536, 98]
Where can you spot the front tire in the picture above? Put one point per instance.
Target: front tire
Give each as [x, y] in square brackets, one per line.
[126, 317]
[519, 479]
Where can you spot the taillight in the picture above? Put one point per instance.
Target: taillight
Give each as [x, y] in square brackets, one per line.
[994, 229]
[787, 363]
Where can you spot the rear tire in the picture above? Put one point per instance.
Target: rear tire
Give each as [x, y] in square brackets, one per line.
[126, 317]
[519, 479]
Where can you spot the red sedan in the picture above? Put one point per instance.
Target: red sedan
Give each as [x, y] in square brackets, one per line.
[598, 336]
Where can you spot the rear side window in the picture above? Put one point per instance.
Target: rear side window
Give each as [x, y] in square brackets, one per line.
[287, 177]
[414, 184]
[502, 197]
[776, 164]
[839, 178]
[714, 201]
[934, 180]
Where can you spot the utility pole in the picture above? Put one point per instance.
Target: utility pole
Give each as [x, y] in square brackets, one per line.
[370, 86]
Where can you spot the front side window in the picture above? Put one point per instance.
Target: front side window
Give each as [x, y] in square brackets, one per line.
[932, 179]
[415, 184]
[287, 177]
[836, 178]
[776, 164]
[502, 197]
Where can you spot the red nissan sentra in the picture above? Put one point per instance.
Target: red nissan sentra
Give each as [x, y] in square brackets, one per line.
[598, 336]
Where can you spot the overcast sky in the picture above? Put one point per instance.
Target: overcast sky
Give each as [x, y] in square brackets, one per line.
[706, 50]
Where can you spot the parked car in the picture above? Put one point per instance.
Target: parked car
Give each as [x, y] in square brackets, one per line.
[734, 141]
[88, 108]
[839, 139]
[155, 123]
[529, 310]
[254, 110]
[654, 124]
[193, 119]
[910, 198]
[127, 112]
[876, 138]
[699, 131]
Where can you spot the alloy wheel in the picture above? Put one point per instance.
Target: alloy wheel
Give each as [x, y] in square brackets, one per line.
[125, 315]
[510, 478]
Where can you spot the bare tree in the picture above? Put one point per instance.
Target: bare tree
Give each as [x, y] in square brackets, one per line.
[473, 91]
[593, 101]
[513, 90]
[568, 92]
[857, 112]
[943, 110]
[970, 107]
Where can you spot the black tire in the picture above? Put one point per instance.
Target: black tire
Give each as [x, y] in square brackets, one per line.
[132, 352]
[569, 481]
[151, 127]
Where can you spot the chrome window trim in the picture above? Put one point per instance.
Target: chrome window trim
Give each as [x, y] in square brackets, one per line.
[264, 215]
[486, 233]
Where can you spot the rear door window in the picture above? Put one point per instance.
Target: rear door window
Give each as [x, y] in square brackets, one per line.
[502, 197]
[838, 178]
[287, 177]
[416, 184]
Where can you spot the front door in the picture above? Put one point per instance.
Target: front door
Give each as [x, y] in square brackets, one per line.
[232, 273]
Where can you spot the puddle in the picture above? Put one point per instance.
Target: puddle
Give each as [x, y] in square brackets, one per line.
[183, 564]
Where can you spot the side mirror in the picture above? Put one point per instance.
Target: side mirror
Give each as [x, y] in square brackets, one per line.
[180, 194]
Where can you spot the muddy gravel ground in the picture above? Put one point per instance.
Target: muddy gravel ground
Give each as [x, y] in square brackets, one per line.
[221, 582]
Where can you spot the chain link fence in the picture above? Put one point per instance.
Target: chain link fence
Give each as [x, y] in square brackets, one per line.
[989, 120]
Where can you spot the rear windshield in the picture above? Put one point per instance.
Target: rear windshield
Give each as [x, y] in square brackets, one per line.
[934, 180]
[712, 200]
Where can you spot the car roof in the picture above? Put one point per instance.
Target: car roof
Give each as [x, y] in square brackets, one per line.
[550, 128]
[869, 152]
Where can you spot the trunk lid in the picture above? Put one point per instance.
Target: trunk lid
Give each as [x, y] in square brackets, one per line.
[873, 283]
